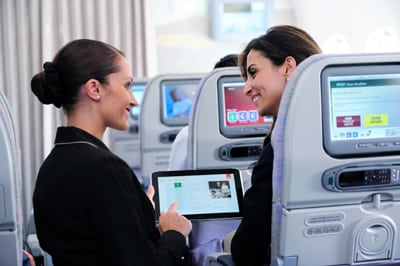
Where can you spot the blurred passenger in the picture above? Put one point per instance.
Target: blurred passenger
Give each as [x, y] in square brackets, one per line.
[266, 64]
[181, 103]
[89, 207]
[178, 156]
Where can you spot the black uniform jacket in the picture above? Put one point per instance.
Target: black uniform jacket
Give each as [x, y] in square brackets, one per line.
[251, 243]
[90, 209]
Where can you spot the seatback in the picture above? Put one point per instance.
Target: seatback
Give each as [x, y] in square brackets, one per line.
[157, 124]
[211, 143]
[126, 143]
[10, 190]
[336, 195]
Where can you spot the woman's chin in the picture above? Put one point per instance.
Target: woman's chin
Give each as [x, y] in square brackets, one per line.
[122, 127]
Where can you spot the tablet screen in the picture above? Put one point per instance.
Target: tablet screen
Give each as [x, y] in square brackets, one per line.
[202, 194]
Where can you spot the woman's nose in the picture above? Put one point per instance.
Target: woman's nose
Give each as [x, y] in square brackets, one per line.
[133, 102]
[247, 88]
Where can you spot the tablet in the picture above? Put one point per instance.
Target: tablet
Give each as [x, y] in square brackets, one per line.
[202, 194]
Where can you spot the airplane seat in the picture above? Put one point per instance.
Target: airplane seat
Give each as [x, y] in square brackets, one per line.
[336, 163]
[11, 222]
[207, 237]
[159, 120]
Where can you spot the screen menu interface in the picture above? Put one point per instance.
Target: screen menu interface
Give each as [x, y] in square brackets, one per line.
[199, 194]
[365, 107]
[239, 109]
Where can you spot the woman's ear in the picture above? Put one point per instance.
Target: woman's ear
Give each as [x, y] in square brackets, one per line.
[93, 89]
[290, 64]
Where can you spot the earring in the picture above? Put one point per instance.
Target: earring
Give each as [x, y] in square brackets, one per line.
[97, 97]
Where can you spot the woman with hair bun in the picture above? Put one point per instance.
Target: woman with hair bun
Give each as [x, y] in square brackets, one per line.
[89, 207]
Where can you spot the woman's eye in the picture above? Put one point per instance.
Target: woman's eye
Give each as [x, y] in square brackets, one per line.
[252, 72]
[128, 86]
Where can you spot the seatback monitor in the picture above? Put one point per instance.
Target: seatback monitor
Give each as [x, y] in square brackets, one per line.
[239, 20]
[138, 89]
[238, 116]
[361, 113]
[177, 98]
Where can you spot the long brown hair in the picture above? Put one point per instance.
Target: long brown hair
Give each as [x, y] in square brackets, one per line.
[278, 43]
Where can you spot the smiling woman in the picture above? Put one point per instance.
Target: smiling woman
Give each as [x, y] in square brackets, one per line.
[266, 64]
[89, 207]
[115, 98]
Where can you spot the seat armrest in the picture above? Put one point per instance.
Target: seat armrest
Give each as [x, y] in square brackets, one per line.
[220, 259]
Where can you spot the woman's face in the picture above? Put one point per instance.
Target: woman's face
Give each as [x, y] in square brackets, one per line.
[118, 98]
[265, 83]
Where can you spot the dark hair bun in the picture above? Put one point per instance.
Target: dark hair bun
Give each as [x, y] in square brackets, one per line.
[45, 85]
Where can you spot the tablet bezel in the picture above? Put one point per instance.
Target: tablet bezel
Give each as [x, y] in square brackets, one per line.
[204, 216]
